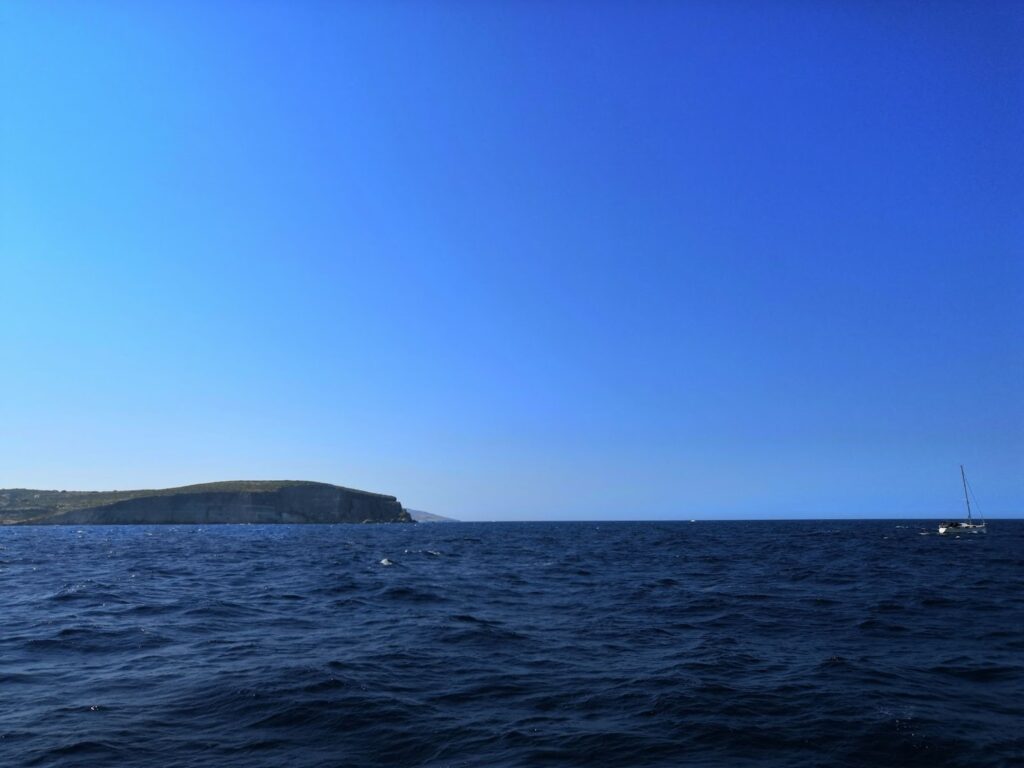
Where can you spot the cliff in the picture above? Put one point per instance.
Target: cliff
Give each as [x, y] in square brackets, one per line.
[259, 501]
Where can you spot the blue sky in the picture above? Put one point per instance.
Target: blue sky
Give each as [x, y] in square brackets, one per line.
[518, 260]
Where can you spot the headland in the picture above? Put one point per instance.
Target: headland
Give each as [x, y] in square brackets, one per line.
[243, 501]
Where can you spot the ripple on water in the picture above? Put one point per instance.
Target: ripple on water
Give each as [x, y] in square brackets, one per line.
[655, 644]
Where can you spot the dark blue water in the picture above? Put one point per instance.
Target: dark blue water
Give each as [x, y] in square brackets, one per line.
[564, 644]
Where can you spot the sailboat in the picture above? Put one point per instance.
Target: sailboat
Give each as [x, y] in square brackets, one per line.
[959, 526]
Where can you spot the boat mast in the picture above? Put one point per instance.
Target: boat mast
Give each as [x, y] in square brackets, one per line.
[967, 498]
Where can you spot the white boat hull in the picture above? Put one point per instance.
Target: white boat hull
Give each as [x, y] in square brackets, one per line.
[961, 528]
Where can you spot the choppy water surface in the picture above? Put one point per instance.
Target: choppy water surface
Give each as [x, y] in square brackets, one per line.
[625, 644]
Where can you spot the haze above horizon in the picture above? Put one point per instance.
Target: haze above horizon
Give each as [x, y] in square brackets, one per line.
[517, 260]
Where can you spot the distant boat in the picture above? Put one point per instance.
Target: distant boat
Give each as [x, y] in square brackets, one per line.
[959, 526]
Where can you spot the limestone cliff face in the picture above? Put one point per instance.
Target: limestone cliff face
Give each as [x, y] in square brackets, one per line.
[244, 502]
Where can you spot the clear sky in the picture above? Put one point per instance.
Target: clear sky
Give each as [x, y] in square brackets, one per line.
[518, 260]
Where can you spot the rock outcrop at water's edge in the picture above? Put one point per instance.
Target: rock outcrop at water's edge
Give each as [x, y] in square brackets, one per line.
[260, 501]
[429, 517]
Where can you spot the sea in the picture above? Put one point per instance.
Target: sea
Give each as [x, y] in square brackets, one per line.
[800, 643]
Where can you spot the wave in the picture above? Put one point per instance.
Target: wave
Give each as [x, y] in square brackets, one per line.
[508, 645]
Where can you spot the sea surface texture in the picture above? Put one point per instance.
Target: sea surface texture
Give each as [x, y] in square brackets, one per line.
[529, 644]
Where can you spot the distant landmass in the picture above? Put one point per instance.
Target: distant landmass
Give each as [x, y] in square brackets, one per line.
[429, 517]
[245, 501]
